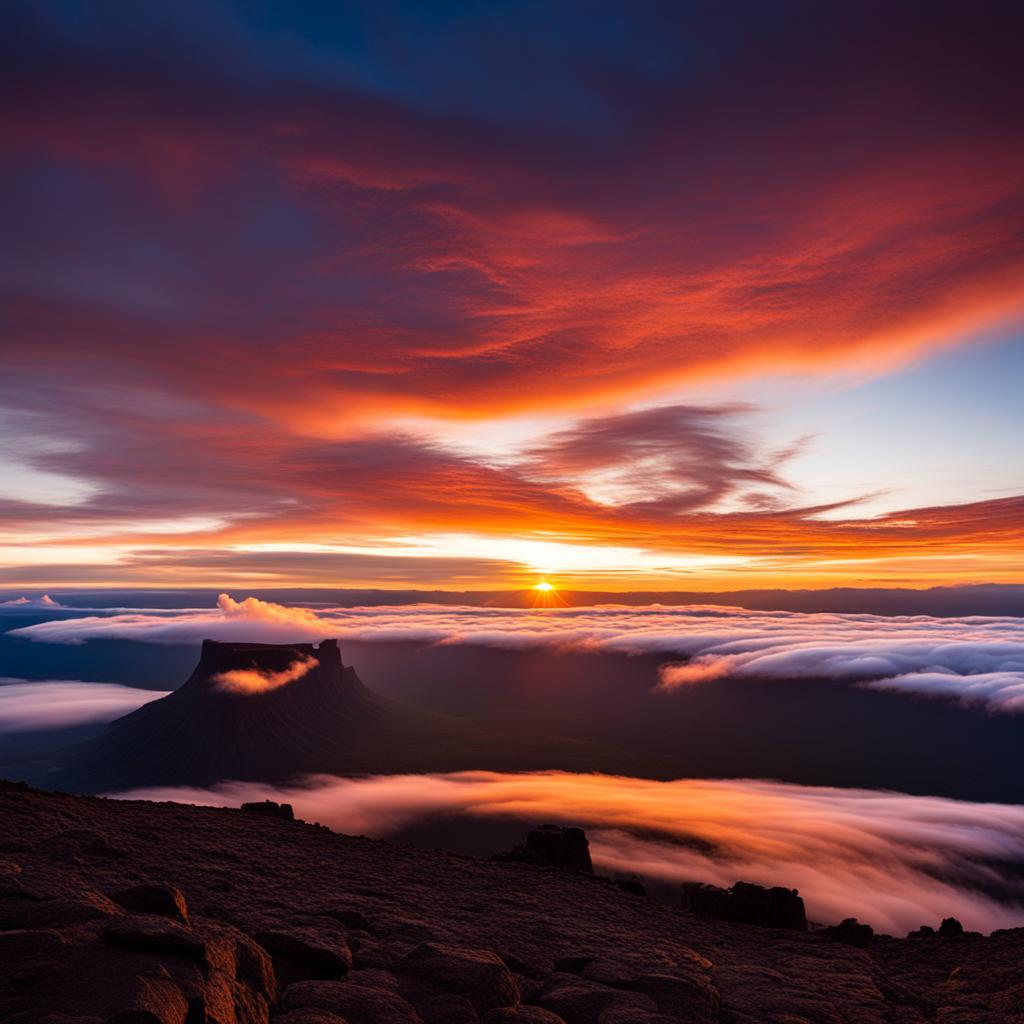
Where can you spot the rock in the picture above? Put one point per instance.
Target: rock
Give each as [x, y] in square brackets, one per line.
[583, 1002]
[632, 885]
[746, 903]
[73, 975]
[269, 807]
[951, 927]
[358, 1004]
[446, 1008]
[563, 847]
[81, 842]
[572, 964]
[154, 899]
[374, 978]
[520, 1015]
[350, 918]
[88, 906]
[555, 846]
[678, 982]
[628, 1015]
[301, 953]
[307, 1016]
[12, 888]
[479, 975]
[850, 932]
[154, 935]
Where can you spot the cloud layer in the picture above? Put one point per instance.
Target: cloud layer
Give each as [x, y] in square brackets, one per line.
[893, 860]
[978, 660]
[60, 703]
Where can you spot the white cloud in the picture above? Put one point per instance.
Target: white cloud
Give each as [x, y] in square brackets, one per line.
[976, 659]
[893, 860]
[25, 603]
[58, 703]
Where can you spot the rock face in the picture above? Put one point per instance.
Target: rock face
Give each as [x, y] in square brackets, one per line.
[746, 903]
[275, 810]
[478, 975]
[850, 932]
[556, 846]
[154, 899]
[563, 847]
[253, 922]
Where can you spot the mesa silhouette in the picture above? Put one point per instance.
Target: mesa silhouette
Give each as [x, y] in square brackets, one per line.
[270, 712]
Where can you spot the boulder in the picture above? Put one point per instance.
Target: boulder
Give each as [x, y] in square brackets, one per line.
[584, 1002]
[850, 932]
[78, 974]
[520, 1015]
[446, 1008]
[154, 935]
[563, 847]
[301, 953]
[309, 1015]
[154, 899]
[479, 975]
[951, 927]
[270, 808]
[556, 846]
[354, 1003]
[746, 903]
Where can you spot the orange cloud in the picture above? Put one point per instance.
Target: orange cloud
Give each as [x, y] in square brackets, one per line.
[895, 861]
[254, 680]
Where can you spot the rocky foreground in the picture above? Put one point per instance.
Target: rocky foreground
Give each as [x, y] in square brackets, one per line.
[140, 913]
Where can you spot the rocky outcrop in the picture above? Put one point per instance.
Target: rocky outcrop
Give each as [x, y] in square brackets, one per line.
[321, 720]
[556, 846]
[746, 903]
[850, 932]
[270, 808]
[154, 899]
[478, 975]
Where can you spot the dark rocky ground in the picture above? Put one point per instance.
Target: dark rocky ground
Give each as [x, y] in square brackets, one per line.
[285, 921]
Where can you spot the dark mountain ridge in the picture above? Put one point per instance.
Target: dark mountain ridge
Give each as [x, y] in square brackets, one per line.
[324, 721]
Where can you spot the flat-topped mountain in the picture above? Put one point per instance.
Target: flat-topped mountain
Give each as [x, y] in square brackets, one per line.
[271, 712]
[139, 913]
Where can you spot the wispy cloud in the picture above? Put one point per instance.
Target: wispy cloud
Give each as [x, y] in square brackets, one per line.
[255, 680]
[977, 660]
[60, 703]
[896, 861]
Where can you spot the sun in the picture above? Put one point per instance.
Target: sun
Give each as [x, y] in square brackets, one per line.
[546, 595]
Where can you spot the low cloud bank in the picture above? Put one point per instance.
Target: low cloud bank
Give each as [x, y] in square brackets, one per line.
[978, 660]
[26, 603]
[255, 680]
[26, 706]
[893, 860]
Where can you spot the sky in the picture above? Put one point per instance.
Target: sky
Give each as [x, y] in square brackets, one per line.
[645, 296]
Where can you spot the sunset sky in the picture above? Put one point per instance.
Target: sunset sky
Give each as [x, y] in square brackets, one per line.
[692, 296]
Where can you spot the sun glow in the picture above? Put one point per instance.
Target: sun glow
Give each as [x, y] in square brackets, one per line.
[544, 587]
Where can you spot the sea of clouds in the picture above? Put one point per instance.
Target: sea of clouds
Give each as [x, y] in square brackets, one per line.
[893, 860]
[36, 705]
[976, 660]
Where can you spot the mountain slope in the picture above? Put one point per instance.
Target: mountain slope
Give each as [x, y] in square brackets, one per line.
[286, 917]
[323, 721]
